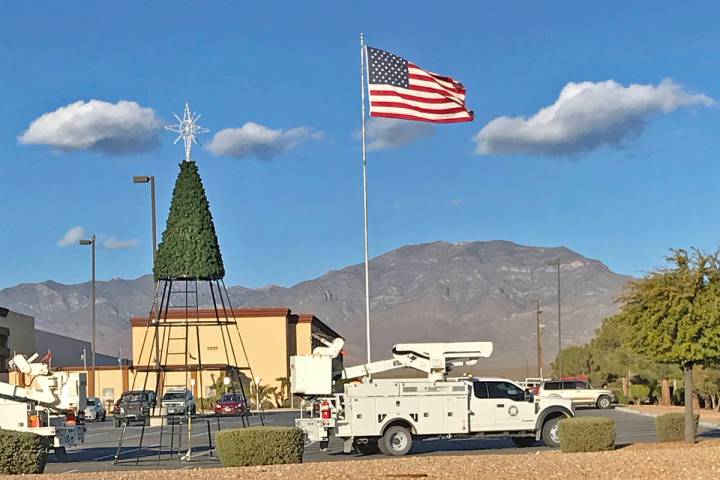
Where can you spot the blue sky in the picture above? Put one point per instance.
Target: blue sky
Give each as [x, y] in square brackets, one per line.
[623, 185]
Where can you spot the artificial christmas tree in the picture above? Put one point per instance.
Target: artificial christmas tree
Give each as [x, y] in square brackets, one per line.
[189, 247]
[188, 267]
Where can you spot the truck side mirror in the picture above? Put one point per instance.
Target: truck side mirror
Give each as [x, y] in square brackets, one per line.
[529, 396]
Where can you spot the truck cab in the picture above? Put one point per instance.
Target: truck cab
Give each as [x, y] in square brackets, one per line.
[501, 405]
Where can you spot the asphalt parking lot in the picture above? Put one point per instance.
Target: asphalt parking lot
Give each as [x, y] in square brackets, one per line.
[101, 441]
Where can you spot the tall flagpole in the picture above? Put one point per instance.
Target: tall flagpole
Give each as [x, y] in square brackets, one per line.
[365, 196]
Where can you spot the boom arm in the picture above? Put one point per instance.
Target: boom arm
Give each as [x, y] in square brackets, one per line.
[433, 359]
[45, 389]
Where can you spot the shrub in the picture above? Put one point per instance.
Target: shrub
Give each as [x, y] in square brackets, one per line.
[586, 434]
[21, 452]
[639, 393]
[670, 427]
[260, 446]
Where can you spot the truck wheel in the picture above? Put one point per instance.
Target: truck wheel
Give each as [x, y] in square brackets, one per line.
[396, 441]
[524, 442]
[60, 454]
[604, 402]
[369, 447]
[550, 433]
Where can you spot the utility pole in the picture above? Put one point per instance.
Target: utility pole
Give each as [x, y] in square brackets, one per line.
[556, 263]
[538, 335]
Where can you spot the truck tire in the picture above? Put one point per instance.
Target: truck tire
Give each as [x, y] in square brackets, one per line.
[550, 434]
[524, 442]
[397, 441]
[604, 402]
[370, 447]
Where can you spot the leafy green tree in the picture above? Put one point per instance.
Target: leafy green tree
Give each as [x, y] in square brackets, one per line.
[189, 247]
[673, 316]
[707, 382]
[576, 360]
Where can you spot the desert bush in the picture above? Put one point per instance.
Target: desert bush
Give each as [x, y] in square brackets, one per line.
[21, 452]
[670, 427]
[260, 446]
[586, 434]
[639, 393]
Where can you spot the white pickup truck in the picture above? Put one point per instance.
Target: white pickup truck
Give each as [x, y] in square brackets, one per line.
[387, 415]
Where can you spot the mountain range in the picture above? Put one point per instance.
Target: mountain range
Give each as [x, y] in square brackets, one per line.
[431, 292]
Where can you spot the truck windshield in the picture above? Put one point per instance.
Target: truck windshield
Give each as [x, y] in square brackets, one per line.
[174, 396]
[135, 397]
[90, 402]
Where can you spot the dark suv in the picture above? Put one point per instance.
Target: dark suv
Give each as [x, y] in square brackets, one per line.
[134, 406]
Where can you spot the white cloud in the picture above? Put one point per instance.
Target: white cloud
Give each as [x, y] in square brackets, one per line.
[384, 133]
[120, 128]
[255, 140]
[585, 117]
[455, 202]
[72, 237]
[114, 243]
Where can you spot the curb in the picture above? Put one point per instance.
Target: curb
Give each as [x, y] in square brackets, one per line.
[702, 423]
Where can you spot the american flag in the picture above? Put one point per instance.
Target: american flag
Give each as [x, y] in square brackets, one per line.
[400, 89]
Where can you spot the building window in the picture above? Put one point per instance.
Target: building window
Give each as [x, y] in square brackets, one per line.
[108, 394]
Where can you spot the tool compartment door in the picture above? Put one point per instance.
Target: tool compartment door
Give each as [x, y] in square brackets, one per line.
[362, 416]
[455, 414]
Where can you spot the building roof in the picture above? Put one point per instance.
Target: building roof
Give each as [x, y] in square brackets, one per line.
[312, 319]
[179, 313]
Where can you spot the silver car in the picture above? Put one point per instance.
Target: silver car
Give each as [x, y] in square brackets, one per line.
[179, 401]
[95, 411]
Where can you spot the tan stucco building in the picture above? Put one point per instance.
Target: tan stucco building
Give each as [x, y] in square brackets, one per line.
[259, 341]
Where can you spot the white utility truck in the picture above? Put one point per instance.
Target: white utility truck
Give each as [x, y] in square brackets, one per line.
[49, 404]
[386, 415]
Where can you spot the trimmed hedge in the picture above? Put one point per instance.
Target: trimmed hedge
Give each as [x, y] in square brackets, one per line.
[586, 434]
[670, 427]
[260, 446]
[21, 452]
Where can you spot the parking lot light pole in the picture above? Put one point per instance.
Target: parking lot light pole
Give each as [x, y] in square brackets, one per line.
[539, 327]
[556, 263]
[92, 242]
[151, 181]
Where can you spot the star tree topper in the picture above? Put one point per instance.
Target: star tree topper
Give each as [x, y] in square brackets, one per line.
[187, 129]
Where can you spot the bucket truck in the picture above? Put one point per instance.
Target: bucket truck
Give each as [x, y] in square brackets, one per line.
[387, 415]
[49, 404]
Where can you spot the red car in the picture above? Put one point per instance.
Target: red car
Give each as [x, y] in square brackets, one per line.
[231, 404]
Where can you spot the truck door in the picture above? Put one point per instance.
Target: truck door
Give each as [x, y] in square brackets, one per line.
[512, 410]
[482, 409]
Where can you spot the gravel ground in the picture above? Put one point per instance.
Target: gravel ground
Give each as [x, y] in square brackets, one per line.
[641, 461]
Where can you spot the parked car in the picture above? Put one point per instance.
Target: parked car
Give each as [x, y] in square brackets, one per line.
[179, 401]
[232, 404]
[579, 392]
[95, 411]
[134, 406]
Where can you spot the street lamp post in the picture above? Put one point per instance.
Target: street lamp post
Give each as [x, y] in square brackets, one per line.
[151, 181]
[539, 327]
[556, 263]
[92, 243]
